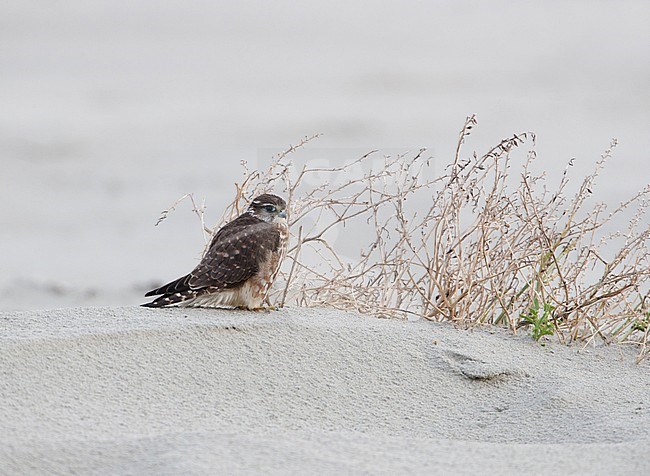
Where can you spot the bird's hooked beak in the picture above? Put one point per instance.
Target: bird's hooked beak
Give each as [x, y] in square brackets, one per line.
[282, 214]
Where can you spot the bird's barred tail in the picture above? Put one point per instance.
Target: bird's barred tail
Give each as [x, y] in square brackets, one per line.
[176, 299]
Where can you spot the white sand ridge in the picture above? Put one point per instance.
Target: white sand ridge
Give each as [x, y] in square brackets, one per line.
[132, 390]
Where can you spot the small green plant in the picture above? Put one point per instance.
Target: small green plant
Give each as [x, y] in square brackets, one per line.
[641, 324]
[542, 325]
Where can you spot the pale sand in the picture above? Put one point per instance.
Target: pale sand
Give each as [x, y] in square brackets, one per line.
[140, 391]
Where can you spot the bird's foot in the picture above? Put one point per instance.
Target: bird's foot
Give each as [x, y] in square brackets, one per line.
[266, 308]
[258, 309]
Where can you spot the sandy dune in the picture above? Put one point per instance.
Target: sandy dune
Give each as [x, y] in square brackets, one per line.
[138, 391]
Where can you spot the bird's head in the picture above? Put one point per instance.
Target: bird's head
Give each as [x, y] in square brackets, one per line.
[270, 208]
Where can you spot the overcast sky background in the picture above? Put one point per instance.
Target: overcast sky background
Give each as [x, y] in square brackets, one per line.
[109, 111]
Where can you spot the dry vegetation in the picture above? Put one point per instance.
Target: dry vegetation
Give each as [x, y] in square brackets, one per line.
[486, 241]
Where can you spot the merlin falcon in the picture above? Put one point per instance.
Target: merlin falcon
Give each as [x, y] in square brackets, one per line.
[240, 265]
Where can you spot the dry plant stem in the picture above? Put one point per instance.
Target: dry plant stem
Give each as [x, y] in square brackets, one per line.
[295, 259]
[198, 211]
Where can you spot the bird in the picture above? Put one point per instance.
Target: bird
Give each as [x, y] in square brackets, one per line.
[240, 264]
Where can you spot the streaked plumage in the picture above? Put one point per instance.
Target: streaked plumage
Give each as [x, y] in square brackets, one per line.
[240, 265]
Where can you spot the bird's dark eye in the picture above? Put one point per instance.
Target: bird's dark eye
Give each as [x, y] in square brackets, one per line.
[270, 208]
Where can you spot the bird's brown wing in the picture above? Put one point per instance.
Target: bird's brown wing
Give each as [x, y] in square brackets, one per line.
[177, 286]
[235, 253]
[233, 257]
